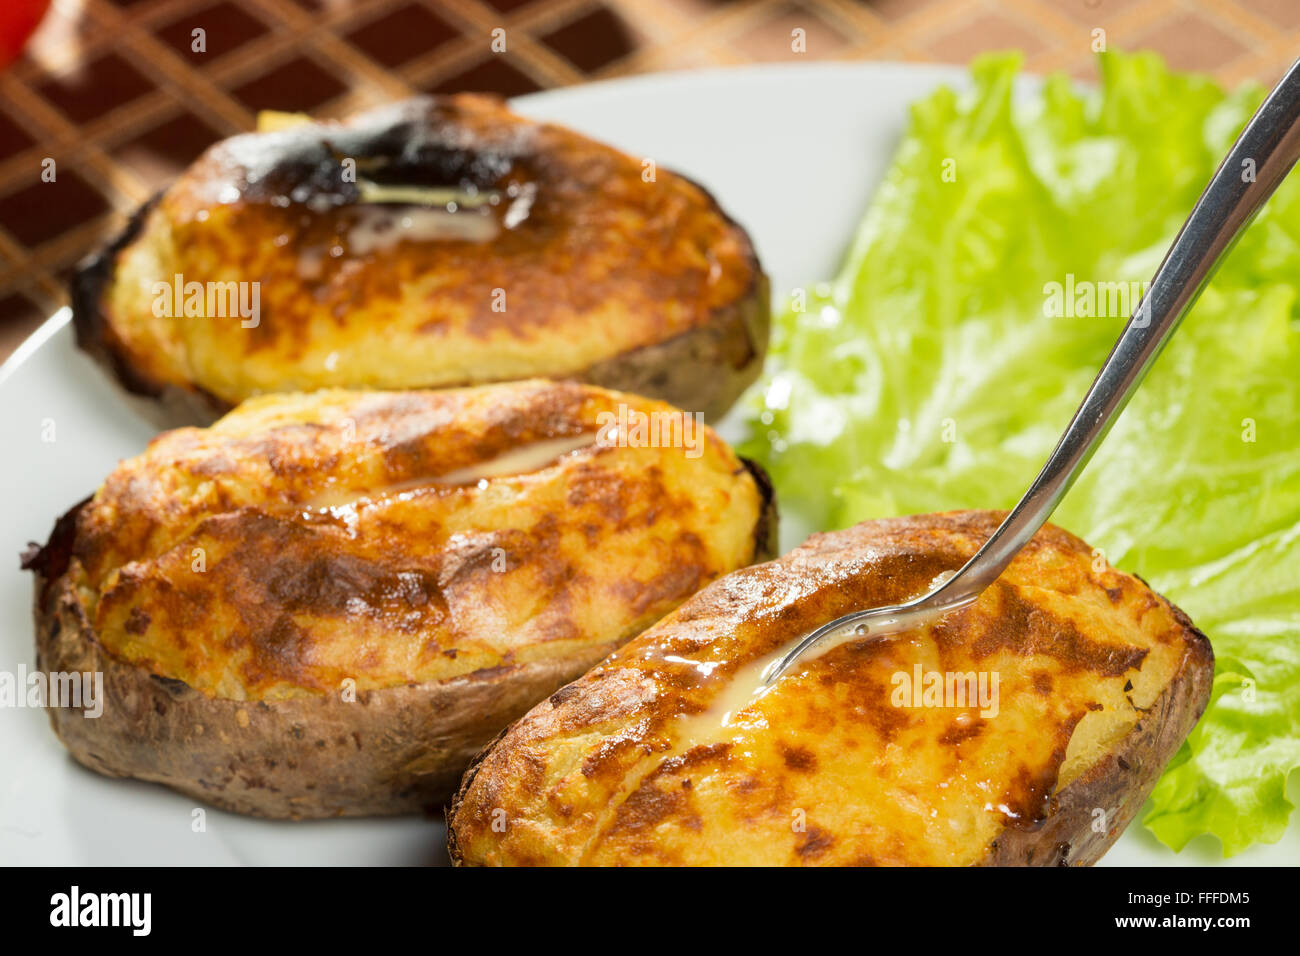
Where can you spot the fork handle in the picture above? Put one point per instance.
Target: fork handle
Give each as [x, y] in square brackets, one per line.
[1268, 147]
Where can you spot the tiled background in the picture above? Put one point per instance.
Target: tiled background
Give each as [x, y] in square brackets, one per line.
[114, 93]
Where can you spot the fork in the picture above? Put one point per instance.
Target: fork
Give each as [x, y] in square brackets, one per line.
[1257, 163]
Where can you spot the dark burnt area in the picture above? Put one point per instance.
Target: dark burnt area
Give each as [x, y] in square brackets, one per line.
[798, 758]
[93, 332]
[688, 575]
[765, 532]
[958, 733]
[1024, 628]
[278, 569]
[849, 666]
[813, 842]
[417, 142]
[137, 621]
[606, 760]
[50, 562]
[651, 804]
[171, 684]
[565, 693]
[338, 584]
[647, 807]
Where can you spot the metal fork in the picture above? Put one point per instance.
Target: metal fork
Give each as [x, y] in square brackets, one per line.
[1257, 163]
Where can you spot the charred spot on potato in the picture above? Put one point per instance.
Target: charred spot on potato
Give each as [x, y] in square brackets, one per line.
[798, 758]
[813, 842]
[171, 683]
[398, 145]
[646, 806]
[1050, 634]
[561, 695]
[50, 561]
[137, 622]
[959, 731]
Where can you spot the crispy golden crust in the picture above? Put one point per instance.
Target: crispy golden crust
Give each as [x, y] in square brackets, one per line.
[1099, 681]
[239, 586]
[583, 269]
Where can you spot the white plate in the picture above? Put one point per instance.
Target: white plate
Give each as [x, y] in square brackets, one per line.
[793, 153]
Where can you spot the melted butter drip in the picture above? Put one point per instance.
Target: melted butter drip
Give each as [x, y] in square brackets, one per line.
[272, 121]
[518, 461]
[342, 504]
[378, 230]
[731, 710]
[450, 198]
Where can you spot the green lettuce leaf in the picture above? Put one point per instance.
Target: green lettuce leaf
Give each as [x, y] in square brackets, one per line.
[929, 375]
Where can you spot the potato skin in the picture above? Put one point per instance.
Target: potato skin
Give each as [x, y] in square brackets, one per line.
[641, 286]
[1122, 779]
[1102, 681]
[253, 724]
[392, 751]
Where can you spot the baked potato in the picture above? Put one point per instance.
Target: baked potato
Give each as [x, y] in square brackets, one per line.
[436, 242]
[325, 604]
[662, 755]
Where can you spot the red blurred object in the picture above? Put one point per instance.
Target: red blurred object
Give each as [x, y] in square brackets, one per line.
[18, 20]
